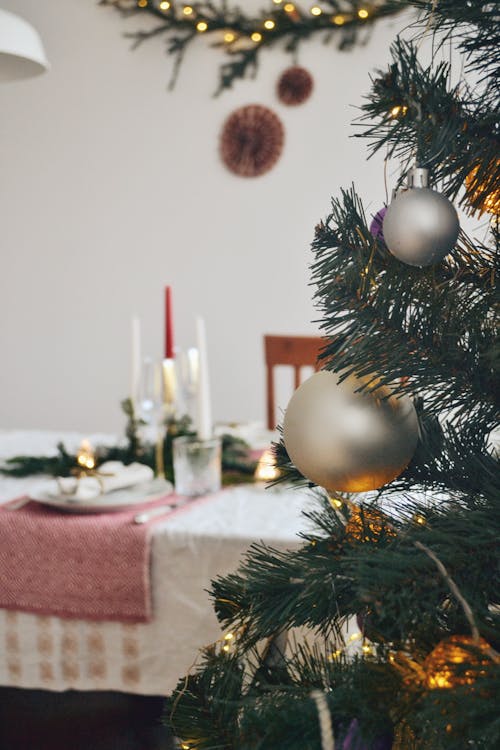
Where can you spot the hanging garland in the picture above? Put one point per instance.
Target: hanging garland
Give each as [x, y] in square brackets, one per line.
[241, 37]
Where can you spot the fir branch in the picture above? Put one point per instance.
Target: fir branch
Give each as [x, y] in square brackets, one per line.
[384, 317]
[437, 329]
[341, 22]
[453, 587]
[414, 116]
[204, 709]
[473, 26]
[61, 464]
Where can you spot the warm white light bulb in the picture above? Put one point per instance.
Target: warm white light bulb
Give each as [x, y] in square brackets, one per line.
[266, 469]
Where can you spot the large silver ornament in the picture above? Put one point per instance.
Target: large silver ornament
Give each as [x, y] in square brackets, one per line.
[421, 226]
[347, 441]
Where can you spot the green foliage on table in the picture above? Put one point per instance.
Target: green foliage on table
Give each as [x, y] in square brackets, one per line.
[61, 464]
[237, 467]
[413, 575]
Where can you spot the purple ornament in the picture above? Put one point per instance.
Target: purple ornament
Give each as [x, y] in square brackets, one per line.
[364, 621]
[354, 741]
[376, 227]
[361, 618]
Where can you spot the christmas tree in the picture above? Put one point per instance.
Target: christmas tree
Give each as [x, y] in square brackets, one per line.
[405, 536]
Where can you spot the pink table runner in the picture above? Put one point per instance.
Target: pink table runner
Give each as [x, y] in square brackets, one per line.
[92, 567]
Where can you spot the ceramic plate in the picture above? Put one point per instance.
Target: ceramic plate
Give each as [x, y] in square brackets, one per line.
[111, 501]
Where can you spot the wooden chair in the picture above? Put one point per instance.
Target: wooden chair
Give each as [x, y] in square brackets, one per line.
[296, 351]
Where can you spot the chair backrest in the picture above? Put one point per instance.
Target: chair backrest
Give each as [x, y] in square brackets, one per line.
[296, 351]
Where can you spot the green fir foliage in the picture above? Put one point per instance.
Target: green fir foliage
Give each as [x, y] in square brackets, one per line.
[419, 562]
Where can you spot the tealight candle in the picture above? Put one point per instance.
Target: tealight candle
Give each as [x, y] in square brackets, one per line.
[86, 457]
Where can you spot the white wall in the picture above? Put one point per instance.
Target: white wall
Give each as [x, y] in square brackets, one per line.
[111, 187]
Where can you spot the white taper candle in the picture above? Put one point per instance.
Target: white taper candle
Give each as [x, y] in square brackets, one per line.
[135, 374]
[204, 404]
[169, 383]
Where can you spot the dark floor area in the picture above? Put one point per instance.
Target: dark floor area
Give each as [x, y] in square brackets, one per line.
[42, 720]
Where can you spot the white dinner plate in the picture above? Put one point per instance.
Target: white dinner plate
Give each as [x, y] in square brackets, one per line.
[111, 501]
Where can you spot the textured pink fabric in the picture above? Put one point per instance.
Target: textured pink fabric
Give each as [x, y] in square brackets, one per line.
[91, 567]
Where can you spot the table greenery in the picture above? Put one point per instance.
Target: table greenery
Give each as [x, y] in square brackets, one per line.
[237, 466]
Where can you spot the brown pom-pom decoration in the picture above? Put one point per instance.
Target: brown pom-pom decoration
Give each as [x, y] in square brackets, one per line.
[252, 140]
[295, 85]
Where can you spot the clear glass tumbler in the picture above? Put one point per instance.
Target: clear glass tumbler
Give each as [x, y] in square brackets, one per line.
[197, 465]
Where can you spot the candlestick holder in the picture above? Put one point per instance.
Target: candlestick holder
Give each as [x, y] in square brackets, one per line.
[197, 465]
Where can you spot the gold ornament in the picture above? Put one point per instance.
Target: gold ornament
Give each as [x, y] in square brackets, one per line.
[86, 467]
[480, 196]
[457, 660]
[367, 524]
[347, 441]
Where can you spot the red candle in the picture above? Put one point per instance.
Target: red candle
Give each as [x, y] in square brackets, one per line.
[169, 326]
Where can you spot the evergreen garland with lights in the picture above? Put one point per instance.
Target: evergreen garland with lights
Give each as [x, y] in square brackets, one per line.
[237, 465]
[241, 37]
[417, 563]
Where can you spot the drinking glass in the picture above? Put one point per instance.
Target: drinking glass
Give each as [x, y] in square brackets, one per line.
[150, 400]
[197, 465]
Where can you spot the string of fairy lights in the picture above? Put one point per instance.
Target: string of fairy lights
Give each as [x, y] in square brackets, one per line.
[202, 22]
[241, 36]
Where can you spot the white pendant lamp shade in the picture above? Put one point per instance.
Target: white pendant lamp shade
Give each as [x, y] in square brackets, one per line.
[21, 50]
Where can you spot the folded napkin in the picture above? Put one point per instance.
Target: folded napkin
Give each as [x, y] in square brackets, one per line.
[111, 475]
[253, 433]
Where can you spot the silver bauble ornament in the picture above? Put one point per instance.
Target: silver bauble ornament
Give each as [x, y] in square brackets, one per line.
[347, 441]
[421, 226]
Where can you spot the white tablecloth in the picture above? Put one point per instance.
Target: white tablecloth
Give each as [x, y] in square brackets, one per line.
[187, 552]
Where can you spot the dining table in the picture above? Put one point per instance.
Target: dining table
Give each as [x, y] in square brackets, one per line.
[58, 650]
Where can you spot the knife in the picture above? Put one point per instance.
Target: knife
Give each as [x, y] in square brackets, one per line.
[147, 515]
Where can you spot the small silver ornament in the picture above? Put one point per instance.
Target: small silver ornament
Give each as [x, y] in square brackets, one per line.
[421, 226]
[348, 441]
